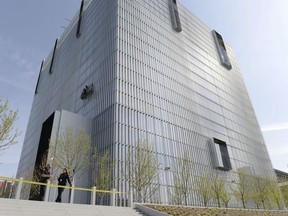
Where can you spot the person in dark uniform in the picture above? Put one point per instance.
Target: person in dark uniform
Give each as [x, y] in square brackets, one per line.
[45, 175]
[62, 181]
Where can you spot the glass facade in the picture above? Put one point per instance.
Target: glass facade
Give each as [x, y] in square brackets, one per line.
[151, 82]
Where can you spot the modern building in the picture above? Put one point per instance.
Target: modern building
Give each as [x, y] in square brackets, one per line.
[281, 176]
[132, 70]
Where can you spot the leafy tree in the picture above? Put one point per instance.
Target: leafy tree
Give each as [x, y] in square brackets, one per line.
[241, 187]
[275, 193]
[103, 174]
[142, 170]
[219, 192]
[182, 178]
[284, 192]
[260, 191]
[225, 197]
[8, 133]
[283, 186]
[72, 149]
[32, 191]
[203, 188]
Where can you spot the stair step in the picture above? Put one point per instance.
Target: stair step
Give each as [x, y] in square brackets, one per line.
[9, 207]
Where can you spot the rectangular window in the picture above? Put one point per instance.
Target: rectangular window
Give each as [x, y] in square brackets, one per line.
[78, 33]
[220, 155]
[175, 16]
[222, 50]
[52, 59]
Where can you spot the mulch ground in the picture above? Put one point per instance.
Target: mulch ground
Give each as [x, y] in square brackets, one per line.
[194, 211]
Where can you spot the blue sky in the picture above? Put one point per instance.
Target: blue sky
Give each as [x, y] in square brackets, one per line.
[255, 29]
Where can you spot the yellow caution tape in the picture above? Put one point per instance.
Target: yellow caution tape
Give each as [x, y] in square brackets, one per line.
[62, 186]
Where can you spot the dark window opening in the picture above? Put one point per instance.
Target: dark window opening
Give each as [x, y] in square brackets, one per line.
[78, 33]
[36, 89]
[221, 155]
[42, 153]
[225, 61]
[175, 16]
[53, 56]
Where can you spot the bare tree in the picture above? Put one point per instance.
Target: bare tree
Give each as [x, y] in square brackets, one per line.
[142, 170]
[203, 188]
[241, 187]
[103, 174]
[72, 149]
[8, 133]
[182, 179]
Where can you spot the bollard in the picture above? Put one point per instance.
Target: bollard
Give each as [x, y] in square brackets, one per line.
[18, 190]
[93, 196]
[130, 199]
[47, 190]
[112, 197]
[72, 192]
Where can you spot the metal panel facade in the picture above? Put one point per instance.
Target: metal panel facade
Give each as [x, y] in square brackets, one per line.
[151, 83]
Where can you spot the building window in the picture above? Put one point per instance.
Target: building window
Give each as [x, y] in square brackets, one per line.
[220, 155]
[78, 33]
[38, 80]
[222, 50]
[175, 16]
[52, 60]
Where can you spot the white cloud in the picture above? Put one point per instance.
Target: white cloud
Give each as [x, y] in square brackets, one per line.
[18, 63]
[27, 67]
[275, 127]
[15, 84]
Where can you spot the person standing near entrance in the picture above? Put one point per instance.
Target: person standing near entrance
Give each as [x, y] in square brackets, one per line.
[62, 181]
[45, 175]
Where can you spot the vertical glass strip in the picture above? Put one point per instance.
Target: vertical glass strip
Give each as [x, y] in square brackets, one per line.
[78, 33]
[219, 156]
[36, 89]
[225, 61]
[175, 16]
[52, 60]
[225, 156]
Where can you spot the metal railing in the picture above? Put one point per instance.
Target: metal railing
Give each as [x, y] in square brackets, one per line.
[93, 191]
